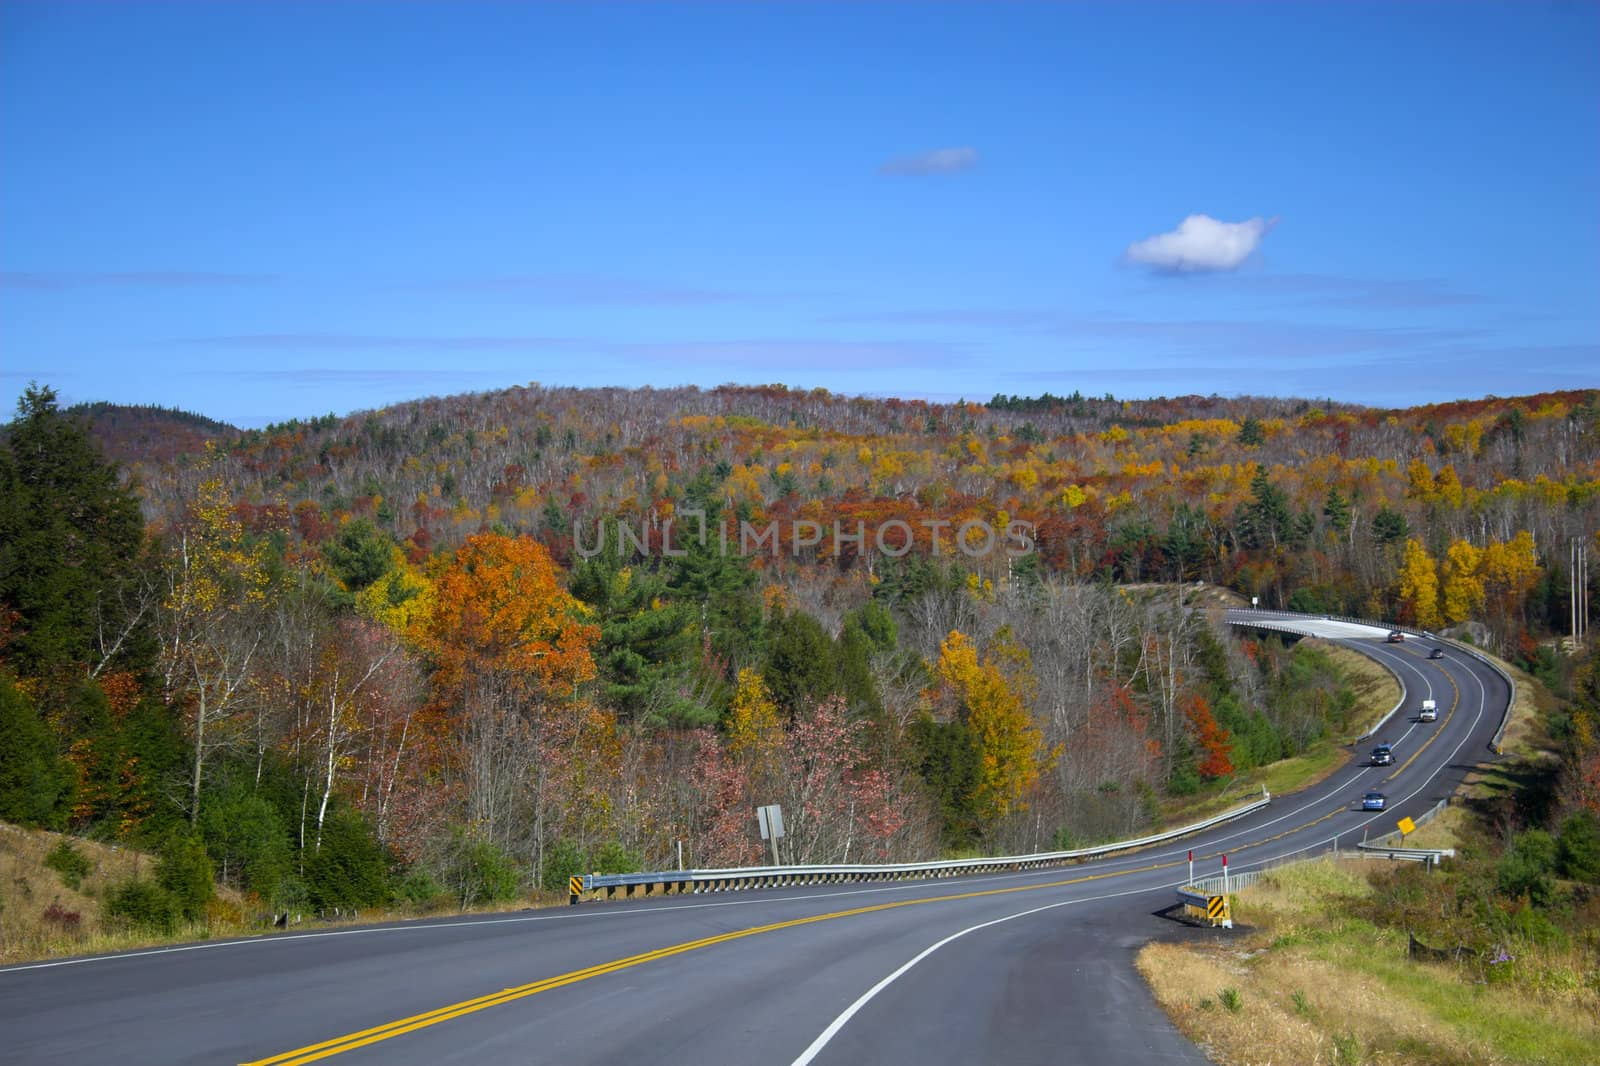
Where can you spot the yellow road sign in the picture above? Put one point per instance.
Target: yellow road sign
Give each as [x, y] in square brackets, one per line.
[1215, 906]
[575, 886]
[1407, 826]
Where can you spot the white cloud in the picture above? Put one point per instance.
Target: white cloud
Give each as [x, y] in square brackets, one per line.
[938, 161]
[1201, 243]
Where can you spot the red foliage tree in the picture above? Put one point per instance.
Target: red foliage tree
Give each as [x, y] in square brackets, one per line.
[1212, 739]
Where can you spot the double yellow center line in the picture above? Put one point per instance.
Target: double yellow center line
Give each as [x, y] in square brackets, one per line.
[1455, 700]
[362, 1038]
[351, 1041]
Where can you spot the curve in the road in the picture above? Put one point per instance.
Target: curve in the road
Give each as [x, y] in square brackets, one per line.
[1026, 967]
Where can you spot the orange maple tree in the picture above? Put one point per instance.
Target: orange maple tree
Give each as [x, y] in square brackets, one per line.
[501, 604]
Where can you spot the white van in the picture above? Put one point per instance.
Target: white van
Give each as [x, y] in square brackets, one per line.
[1430, 711]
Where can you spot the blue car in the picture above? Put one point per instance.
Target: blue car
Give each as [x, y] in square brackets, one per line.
[1374, 801]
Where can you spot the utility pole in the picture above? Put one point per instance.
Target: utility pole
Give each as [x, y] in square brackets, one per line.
[1578, 583]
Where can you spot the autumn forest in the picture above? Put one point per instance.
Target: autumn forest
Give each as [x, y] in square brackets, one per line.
[384, 659]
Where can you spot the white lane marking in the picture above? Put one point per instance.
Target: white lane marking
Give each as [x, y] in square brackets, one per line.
[1110, 864]
[826, 1036]
[866, 997]
[1483, 701]
[1405, 694]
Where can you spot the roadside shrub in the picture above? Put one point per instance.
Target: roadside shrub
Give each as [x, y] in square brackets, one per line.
[350, 869]
[70, 863]
[1535, 927]
[145, 905]
[614, 858]
[1231, 1000]
[1578, 847]
[1526, 866]
[419, 888]
[184, 872]
[479, 872]
[1065, 840]
[63, 919]
[562, 860]
[245, 835]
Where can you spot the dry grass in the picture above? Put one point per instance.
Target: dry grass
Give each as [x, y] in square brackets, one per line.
[1314, 986]
[36, 905]
[1312, 766]
[1445, 830]
[42, 917]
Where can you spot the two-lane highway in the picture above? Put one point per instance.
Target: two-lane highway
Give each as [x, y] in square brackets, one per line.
[1026, 967]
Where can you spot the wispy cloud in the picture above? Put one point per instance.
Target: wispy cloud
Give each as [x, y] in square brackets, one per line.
[955, 316]
[380, 343]
[1346, 292]
[322, 375]
[798, 354]
[938, 161]
[1201, 243]
[1266, 341]
[26, 279]
[591, 289]
[739, 354]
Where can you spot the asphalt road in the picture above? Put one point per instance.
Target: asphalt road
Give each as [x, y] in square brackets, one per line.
[1016, 968]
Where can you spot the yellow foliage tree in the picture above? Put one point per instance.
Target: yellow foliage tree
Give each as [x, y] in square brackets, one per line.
[1510, 570]
[209, 638]
[755, 732]
[1419, 586]
[1463, 588]
[400, 600]
[1420, 478]
[1010, 749]
[1447, 487]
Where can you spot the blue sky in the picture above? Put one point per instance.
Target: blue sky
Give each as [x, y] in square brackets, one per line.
[261, 211]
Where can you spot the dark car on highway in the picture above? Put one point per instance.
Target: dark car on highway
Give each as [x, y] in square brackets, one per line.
[1382, 755]
[1396, 637]
[1436, 653]
[1374, 801]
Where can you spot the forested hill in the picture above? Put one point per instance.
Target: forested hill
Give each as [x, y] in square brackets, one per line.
[1287, 500]
[353, 658]
[140, 433]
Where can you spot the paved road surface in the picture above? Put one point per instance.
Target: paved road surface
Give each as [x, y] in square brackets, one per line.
[1016, 968]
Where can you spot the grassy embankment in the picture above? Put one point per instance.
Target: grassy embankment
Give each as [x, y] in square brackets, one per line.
[1321, 973]
[44, 916]
[1317, 980]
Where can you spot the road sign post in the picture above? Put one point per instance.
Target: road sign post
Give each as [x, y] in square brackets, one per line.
[770, 819]
[1191, 866]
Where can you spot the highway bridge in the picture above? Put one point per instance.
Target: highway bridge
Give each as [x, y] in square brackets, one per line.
[1004, 967]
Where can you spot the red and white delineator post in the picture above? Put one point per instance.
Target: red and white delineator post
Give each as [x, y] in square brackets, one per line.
[1227, 905]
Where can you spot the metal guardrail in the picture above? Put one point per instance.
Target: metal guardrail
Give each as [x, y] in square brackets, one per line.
[1511, 684]
[1212, 886]
[1404, 695]
[1431, 856]
[750, 877]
